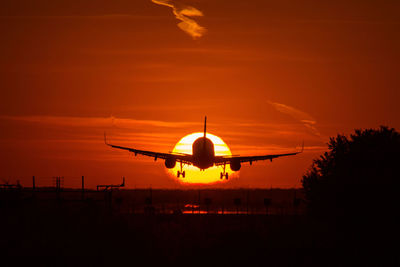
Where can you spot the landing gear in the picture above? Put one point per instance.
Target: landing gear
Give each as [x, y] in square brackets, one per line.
[181, 172]
[224, 173]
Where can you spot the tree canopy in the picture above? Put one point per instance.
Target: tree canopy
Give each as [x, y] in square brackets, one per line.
[358, 176]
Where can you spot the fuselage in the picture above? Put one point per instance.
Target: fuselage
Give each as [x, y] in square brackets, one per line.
[203, 153]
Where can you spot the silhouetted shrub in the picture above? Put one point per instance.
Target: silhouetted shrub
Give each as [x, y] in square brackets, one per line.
[357, 178]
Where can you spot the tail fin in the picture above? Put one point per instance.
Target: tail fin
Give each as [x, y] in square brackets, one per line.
[205, 125]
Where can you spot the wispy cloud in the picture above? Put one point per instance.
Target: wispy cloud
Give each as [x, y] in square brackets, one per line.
[87, 133]
[97, 121]
[102, 17]
[306, 119]
[84, 135]
[183, 13]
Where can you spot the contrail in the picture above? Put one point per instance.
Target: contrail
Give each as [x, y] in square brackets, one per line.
[183, 13]
[308, 121]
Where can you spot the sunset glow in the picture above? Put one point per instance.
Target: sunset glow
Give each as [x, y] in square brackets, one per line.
[268, 76]
[193, 174]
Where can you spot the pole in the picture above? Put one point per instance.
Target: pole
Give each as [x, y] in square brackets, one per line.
[33, 183]
[58, 188]
[247, 202]
[83, 187]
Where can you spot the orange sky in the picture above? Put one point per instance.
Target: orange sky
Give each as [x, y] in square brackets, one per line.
[268, 74]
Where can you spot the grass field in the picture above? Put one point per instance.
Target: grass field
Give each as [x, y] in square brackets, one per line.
[53, 229]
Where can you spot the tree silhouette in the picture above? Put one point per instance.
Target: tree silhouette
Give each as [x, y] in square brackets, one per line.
[357, 178]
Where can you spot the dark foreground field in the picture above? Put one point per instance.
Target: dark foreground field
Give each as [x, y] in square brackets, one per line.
[145, 227]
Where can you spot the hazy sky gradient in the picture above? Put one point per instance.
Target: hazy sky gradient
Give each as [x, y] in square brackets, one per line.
[71, 69]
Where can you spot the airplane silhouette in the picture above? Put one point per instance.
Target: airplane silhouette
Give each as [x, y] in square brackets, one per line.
[203, 156]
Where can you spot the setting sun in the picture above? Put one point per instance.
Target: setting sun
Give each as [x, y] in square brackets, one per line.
[194, 174]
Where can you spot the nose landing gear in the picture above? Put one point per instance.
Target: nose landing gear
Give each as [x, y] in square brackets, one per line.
[224, 173]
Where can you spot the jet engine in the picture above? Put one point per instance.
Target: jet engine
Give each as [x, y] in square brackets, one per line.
[170, 163]
[235, 165]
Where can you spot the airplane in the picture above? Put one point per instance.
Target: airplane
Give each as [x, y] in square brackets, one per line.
[203, 156]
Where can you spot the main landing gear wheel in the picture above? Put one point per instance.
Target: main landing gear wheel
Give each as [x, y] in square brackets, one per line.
[224, 173]
[181, 173]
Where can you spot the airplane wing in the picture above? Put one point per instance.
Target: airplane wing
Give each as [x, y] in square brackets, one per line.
[221, 160]
[180, 157]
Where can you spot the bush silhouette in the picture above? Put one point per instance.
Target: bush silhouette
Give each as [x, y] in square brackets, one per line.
[357, 178]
